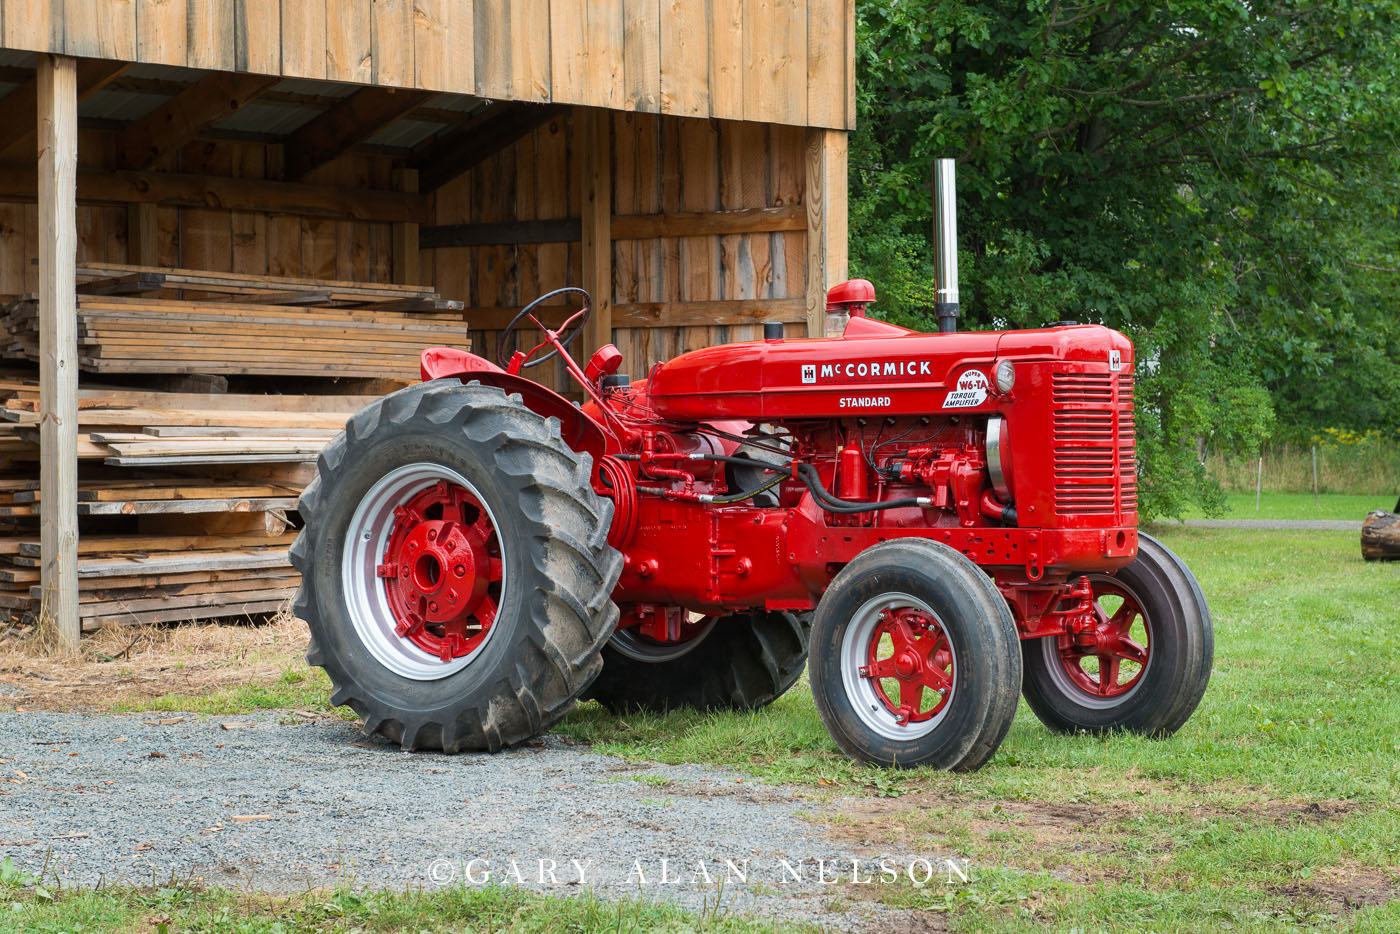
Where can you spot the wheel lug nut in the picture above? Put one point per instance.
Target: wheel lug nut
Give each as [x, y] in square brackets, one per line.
[432, 534]
[460, 571]
[433, 606]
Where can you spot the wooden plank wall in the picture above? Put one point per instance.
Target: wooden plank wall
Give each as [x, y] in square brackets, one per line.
[777, 61]
[662, 165]
[670, 165]
[216, 240]
[671, 292]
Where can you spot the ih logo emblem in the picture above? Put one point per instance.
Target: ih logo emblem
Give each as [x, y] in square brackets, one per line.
[809, 372]
[1115, 360]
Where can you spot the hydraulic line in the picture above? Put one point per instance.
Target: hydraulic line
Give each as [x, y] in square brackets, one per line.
[809, 477]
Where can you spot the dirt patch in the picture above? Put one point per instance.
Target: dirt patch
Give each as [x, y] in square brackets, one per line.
[1344, 888]
[1082, 842]
[125, 664]
[1068, 826]
[916, 922]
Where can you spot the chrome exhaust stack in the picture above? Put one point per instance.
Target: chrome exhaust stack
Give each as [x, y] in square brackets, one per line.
[945, 238]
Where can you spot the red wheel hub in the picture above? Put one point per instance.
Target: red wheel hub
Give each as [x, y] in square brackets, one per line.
[442, 571]
[909, 656]
[1093, 657]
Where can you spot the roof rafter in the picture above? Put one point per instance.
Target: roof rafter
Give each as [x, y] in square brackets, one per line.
[479, 137]
[180, 119]
[19, 109]
[349, 123]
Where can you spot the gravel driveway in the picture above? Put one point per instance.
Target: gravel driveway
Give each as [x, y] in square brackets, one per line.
[279, 806]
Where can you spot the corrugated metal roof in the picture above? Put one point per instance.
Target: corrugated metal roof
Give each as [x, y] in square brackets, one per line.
[164, 72]
[15, 58]
[405, 133]
[123, 106]
[319, 88]
[271, 119]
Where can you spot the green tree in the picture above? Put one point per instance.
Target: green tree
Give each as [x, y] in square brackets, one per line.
[1216, 179]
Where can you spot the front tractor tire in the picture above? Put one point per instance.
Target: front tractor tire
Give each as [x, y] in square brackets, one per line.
[1144, 668]
[456, 575]
[919, 663]
[740, 662]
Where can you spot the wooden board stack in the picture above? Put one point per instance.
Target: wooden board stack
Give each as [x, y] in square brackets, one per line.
[259, 325]
[187, 501]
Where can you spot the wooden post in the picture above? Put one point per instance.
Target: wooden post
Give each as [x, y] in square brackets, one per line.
[593, 156]
[1315, 500]
[406, 268]
[58, 345]
[1259, 484]
[826, 221]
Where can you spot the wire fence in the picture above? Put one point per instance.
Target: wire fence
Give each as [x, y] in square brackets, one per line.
[1367, 468]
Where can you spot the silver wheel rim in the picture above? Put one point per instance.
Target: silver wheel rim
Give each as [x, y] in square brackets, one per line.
[366, 598]
[1050, 650]
[860, 691]
[640, 648]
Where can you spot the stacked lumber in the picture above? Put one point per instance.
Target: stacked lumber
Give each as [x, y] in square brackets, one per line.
[119, 279]
[128, 334]
[186, 502]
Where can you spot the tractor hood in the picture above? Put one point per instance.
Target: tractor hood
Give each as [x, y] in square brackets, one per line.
[876, 368]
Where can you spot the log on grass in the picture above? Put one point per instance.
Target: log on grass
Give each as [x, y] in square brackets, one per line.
[1380, 536]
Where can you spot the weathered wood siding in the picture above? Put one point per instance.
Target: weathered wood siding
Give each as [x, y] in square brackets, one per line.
[670, 293]
[217, 240]
[687, 270]
[773, 61]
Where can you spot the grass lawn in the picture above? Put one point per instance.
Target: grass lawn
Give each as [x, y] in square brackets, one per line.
[174, 909]
[1351, 506]
[1276, 807]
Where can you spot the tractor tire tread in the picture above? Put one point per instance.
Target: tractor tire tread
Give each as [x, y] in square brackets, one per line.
[745, 662]
[567, 614]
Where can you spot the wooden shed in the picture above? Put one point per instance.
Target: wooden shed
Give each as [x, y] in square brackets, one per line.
[685, 162]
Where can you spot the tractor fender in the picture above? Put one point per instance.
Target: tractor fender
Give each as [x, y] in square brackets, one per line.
[579, 431]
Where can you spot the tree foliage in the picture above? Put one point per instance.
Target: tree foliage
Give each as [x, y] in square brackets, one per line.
[1217, 179]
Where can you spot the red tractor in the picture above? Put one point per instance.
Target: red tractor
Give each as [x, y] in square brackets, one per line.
[479, 552]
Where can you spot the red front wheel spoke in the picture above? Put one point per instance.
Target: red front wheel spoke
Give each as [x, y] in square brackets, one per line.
[911, 697]
[1108, 675]
[884, 668]
[937, 679]
[1132, 651]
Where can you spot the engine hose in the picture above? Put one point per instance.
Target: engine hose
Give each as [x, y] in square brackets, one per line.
[808, 475]
[726, 500]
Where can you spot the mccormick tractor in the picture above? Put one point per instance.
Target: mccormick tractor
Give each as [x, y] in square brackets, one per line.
[944, 521]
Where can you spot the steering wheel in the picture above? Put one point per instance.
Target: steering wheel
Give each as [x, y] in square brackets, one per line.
[505, 345]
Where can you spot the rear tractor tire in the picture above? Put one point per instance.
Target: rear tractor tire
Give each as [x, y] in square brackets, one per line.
[919, 663]
[1148, 664]
[739, 662]
[456, 575]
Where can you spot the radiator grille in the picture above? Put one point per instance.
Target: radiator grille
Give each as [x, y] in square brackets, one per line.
[1095, 454]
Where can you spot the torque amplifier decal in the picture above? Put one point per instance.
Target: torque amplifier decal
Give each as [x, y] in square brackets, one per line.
[971, 391]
